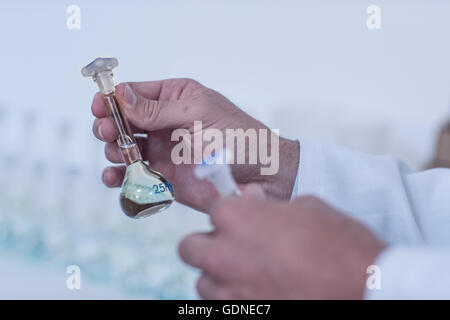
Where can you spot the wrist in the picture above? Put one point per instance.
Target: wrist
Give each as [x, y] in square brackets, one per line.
[281, 184]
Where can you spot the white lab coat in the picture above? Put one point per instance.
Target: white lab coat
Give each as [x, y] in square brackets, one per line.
[410, 211]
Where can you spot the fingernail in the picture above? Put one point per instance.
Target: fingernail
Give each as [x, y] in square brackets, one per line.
[129, 96]
[100, 132]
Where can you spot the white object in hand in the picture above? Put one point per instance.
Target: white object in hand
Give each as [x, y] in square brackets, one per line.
[216, 170]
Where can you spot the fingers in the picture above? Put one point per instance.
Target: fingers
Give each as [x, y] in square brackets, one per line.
[150, 90]
[212, 253]
[229, 212]
[169, 89]
[113, 176]
[151, 105]
[113, 153]
[225, 214]
[104, 129]
[144, 109]
[98, 106]
[222, 261]
[195, 248]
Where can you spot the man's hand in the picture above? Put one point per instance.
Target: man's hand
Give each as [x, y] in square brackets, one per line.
[278, 250]
[158, 107]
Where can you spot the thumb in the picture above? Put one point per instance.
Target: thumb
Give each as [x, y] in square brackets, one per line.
[149, 113]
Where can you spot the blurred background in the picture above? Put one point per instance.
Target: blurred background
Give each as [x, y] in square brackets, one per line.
[309, 68]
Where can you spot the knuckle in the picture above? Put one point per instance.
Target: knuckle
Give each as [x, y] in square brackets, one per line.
[179, 83]
[189, 81]
[150, 110]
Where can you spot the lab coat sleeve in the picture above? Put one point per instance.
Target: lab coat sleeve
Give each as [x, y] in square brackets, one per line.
[411, 273]
[398, 205]
[409, 211]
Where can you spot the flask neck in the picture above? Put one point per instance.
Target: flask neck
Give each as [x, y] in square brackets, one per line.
[126, 141]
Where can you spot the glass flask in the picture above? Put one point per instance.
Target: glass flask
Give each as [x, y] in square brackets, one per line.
[144, 190]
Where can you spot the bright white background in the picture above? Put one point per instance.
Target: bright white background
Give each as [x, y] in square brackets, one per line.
[310, 68]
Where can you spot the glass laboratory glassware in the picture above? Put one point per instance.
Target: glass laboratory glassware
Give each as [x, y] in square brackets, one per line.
[144, 191]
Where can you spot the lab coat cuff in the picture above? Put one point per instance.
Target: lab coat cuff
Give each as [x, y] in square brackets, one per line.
[309, 178]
